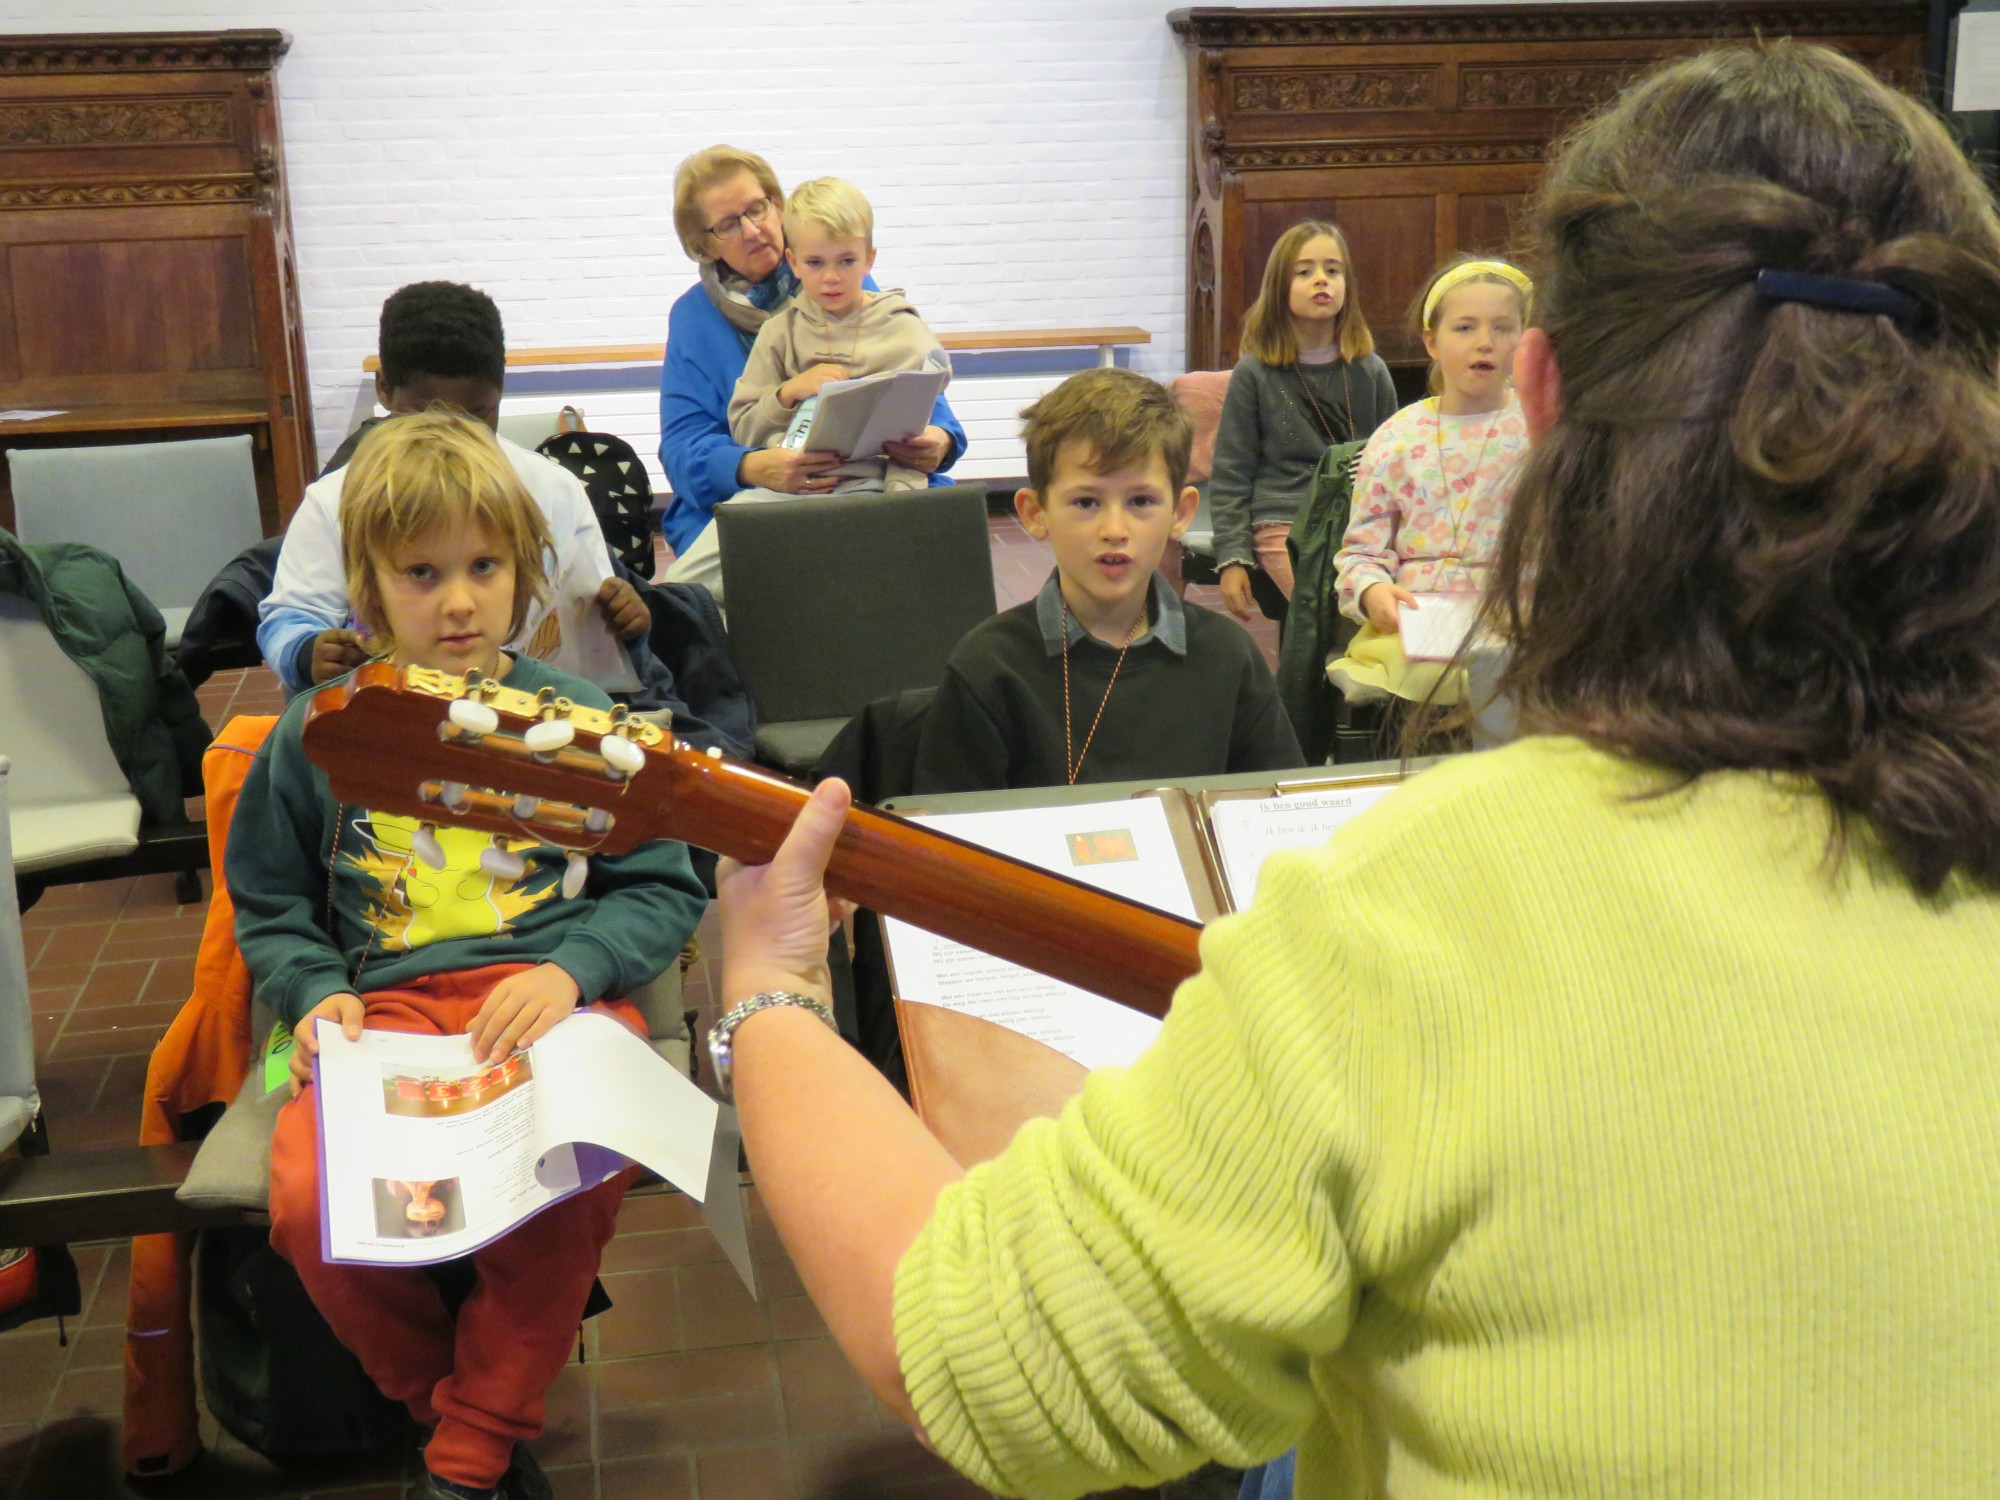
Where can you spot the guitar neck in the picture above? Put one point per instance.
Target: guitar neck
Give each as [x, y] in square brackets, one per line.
[384, 742]
[1055, 926]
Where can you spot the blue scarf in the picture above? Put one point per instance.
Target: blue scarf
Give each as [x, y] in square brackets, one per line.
[747, 306]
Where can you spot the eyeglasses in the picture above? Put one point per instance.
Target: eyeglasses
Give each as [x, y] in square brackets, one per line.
[731, 228]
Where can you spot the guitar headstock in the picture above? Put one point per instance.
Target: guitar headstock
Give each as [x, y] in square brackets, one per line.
[472, 752]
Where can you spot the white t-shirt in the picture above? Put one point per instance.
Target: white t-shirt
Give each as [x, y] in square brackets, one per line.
[309, 593]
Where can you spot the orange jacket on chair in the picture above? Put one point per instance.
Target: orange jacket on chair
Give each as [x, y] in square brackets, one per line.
[200, 1062]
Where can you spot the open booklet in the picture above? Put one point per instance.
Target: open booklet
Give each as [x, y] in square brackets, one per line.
[427, 1154]
[1194, 855]
[855, 418]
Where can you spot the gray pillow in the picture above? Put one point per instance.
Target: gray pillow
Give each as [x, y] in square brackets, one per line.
[233, 1167]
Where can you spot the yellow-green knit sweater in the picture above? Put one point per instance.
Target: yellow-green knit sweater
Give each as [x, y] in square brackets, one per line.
[1527, 1140]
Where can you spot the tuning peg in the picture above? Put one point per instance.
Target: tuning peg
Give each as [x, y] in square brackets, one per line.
[502, 864]
[426, 847]
[525, 807]
[473, 718]
[621, 754]
[574, 874]
[548, 736]
[597, 820]
[452, 795]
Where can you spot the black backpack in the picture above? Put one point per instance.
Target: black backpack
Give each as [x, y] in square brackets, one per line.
[615, 477]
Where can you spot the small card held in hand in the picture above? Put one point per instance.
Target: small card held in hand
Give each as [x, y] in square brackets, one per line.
[1437, 625]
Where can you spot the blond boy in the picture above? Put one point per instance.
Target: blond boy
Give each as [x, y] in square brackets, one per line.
[345, 916]
[835, 329]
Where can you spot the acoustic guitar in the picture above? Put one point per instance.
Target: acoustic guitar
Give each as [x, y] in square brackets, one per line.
[471, 752]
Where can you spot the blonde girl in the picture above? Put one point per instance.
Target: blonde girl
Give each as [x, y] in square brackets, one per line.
[1309, 378]
[1433, 484]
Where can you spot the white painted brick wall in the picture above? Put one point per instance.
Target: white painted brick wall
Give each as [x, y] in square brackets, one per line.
[1026, 161]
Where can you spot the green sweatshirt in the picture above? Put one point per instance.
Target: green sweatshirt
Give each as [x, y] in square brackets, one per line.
[395, 919]
[1548, 1133]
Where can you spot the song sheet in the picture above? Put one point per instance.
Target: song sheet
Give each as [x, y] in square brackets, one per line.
[1249, 830]
[854, 418]
[1437, 625]
[585, 646]
[1125, 847]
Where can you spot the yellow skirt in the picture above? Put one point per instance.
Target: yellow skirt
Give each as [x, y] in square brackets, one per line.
[1375, 660]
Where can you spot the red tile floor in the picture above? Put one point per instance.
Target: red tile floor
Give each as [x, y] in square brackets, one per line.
[691, 1389]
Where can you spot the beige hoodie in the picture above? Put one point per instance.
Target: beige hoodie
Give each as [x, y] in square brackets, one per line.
[885, 335]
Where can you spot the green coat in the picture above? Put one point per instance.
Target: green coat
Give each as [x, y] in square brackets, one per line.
[107, 627]
[1314, 627]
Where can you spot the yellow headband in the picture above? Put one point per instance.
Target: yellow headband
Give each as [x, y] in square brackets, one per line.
[1459, 275]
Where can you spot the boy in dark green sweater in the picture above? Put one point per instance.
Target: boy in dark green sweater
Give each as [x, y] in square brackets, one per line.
[1106, 675]
[358, 918]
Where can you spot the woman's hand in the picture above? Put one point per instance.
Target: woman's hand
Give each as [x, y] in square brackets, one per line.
[1236, 593]
[805, 385]
[775, 917]
[788, 471]
[520, 1010]
[1383, 602]
[926, 452]
[345, 1009]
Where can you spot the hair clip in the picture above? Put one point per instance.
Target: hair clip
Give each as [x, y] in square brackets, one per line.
[1839, 294]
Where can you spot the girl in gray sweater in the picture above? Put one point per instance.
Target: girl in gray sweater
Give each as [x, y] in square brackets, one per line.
[1309, 378]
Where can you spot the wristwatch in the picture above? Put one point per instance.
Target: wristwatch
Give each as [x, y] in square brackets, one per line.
[722, 1033]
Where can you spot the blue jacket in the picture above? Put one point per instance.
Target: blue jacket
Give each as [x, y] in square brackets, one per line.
[705, 358]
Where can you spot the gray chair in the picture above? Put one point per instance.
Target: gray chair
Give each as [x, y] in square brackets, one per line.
[171, 513]
[19, 1103]
[74, 816]
[71, 802]
[531, 428]
[835, 602]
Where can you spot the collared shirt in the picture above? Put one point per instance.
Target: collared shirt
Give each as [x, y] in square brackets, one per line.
[1167, 620]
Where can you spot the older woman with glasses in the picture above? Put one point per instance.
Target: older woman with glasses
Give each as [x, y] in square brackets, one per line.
[728, 211]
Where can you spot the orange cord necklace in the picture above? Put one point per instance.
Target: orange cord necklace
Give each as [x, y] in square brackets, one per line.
[1075, 763]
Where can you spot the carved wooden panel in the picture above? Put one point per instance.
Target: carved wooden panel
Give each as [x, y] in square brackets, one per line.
[1291, 91]
[147, 276]
[1422, 130]
[114, 122]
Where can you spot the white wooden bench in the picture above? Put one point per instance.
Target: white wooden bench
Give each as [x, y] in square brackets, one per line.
[987, 404]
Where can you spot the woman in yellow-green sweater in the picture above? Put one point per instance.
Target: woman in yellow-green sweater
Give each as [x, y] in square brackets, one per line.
[1612, 1114]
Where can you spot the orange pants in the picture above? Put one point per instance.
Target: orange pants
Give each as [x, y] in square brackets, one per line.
[483, 1381]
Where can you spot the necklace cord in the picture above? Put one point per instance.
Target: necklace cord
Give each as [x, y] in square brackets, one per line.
[1074, 765]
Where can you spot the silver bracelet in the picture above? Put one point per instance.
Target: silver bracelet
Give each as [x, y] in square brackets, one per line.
[721, 1035]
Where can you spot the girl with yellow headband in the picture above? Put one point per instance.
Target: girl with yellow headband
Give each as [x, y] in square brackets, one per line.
[1433, 484]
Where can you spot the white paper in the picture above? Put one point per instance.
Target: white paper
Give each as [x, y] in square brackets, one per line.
[1975, 77]
[1437, 626]
[636, 1104]
[586, 646]
[427, 1154]
[1249, 830]
[1125, 847]
[854, 418]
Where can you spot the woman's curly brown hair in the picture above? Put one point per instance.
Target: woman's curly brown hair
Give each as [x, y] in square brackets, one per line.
[1767, 535]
